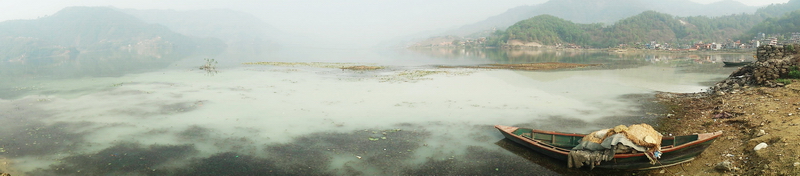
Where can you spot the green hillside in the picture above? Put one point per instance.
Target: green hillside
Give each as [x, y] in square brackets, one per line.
[777, 10]
[785, 25]
[645, 27]
[602, 11]
[548, 30]
[651, 26]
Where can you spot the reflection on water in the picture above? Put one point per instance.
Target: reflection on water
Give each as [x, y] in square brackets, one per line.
[504, 56]
[18, 78]
[688, 62]
[162, 117]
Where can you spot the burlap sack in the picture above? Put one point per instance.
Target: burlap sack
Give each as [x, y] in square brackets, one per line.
[597, 136]
[644, 135]
[640, 134]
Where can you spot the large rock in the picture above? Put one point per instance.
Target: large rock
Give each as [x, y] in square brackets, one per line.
[773, 63]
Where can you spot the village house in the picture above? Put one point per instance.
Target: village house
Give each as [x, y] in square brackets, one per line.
[795, 38]
[772, 41]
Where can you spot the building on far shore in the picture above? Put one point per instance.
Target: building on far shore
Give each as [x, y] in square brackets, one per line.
[795, 38]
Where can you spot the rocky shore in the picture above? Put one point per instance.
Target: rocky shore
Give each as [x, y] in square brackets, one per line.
[757, 108]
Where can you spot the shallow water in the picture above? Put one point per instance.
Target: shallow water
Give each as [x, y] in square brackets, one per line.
[177, 120]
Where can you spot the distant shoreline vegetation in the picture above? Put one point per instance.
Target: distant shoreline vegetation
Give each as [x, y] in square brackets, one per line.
[774, 24]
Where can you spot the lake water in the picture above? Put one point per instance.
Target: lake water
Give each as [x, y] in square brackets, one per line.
[166, 117]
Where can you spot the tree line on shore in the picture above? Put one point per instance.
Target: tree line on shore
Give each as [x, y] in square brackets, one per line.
[777, 20]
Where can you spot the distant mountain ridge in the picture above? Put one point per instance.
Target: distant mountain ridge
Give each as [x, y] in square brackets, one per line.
[787, 25]
[645, 27]
[238, 29]
[74, 32]
[85, 26]
[602, 11]
[651, 26]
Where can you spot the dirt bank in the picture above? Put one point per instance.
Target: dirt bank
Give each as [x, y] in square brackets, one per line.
[742, 117]
[749, 112]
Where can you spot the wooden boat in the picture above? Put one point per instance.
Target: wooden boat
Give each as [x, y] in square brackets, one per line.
[736, 64]
[675, 150]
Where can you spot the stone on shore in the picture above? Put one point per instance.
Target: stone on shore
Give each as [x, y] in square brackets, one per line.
[760, 146]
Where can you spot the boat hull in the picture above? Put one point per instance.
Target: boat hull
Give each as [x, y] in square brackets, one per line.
[671, 156]
[667, 159]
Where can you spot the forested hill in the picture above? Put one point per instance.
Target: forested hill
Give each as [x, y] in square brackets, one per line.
[785, 25]
[777, 10]
[93, 29]
[602, 11]
[650, 26]
[645, 27]
[549, 30]
[659, 27]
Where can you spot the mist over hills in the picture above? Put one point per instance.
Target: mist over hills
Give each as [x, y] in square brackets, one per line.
[85, 27]
[645, 27]
[602, 11]
[101, 39]
[97, 29]
[652, 26]
[776, 10]
[784, 25]
[240, 31]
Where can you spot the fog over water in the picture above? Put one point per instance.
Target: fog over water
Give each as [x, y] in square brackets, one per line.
[199, 97]
[370, 122]
[330, 24]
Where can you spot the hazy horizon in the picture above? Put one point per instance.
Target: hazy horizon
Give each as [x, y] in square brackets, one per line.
[309, 87]
[356, 23]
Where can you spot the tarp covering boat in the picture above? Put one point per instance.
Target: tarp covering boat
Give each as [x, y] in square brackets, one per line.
[602, 145]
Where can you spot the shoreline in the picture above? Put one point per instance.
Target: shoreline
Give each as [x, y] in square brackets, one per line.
[753, 116]
[608, 50]
[751, 111]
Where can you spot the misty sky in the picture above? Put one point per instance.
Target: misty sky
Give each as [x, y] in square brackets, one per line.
[365, 22]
